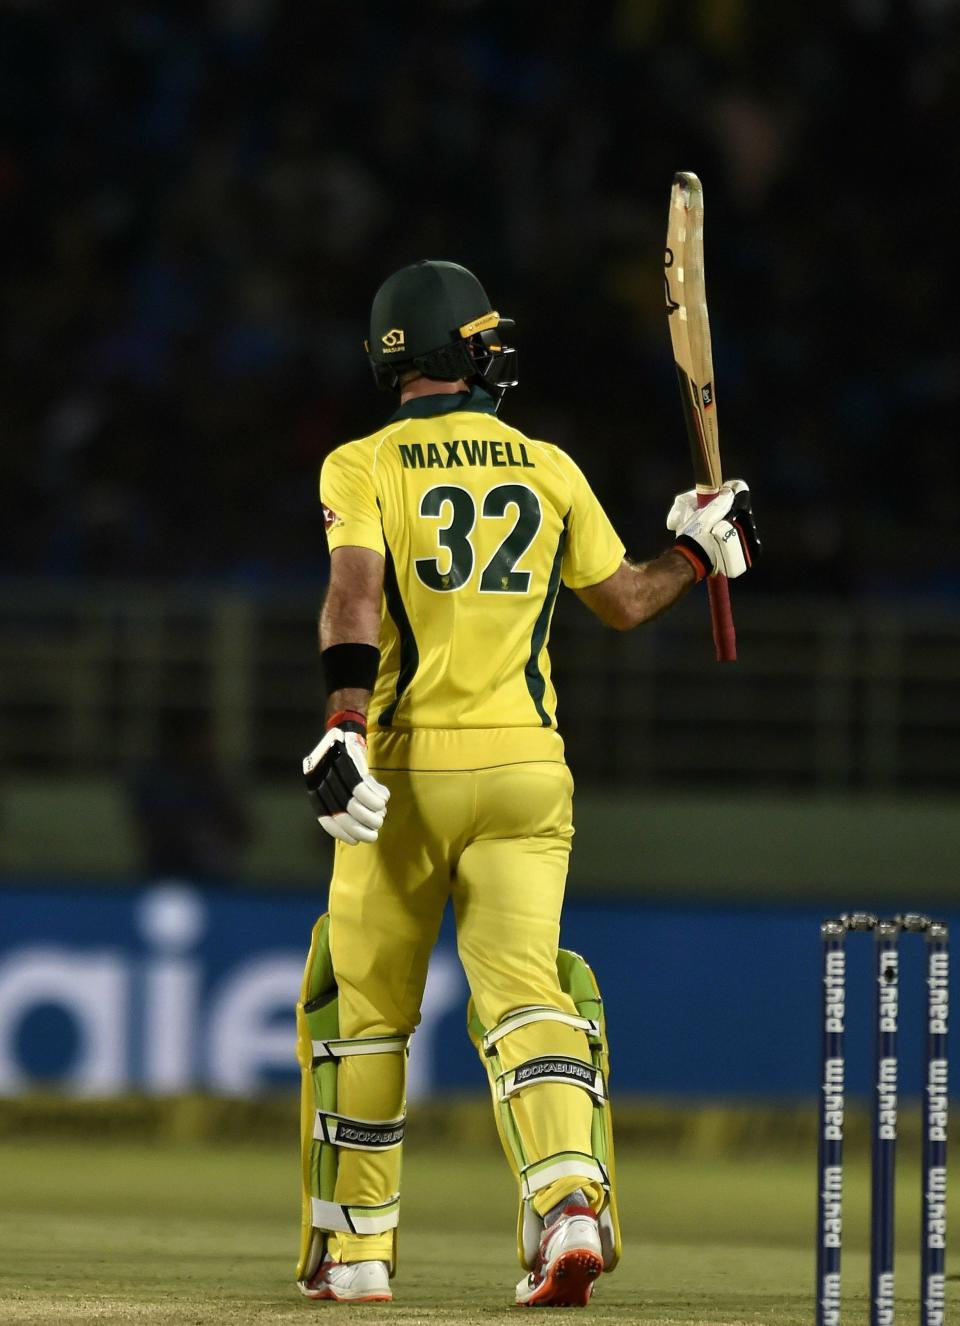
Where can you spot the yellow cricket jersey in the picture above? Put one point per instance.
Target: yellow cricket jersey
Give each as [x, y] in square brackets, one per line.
[478, 525]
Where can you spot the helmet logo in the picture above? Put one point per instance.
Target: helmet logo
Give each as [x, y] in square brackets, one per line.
[393, 340]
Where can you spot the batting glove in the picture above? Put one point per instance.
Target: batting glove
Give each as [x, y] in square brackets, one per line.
[719, 538]
[350, 804]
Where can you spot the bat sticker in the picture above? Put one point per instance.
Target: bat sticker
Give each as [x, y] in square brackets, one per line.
[706, 392]
[672, 304]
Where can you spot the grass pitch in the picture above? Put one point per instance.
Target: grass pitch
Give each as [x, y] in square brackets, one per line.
[119, 1233]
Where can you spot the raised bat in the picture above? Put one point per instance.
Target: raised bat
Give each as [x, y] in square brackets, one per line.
[690, 334]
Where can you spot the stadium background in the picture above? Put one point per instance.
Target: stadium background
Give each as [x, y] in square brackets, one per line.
[197, 202]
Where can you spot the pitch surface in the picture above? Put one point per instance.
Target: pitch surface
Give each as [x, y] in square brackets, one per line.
[113, 1233]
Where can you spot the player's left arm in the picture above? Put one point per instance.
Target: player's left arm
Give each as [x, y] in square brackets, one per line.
[351, 616]
[350, 803]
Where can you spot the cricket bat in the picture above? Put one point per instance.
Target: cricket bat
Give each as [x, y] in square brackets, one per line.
[690, 334]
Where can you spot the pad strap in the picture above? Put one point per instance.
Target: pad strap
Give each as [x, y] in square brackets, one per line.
[341, 1049]
[539, 1013]
[358, 1134]
[552, 1068]
[562, 1165]
[336, 1219]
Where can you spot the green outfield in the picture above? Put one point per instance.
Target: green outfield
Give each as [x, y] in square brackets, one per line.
[114, 1232]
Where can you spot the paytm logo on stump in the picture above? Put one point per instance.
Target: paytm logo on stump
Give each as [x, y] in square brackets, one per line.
[167, 991]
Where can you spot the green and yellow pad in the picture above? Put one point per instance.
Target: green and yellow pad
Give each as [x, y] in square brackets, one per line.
[578, 981]
[322, 1130]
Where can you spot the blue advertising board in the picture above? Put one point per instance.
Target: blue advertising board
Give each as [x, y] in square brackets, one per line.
[173, 988]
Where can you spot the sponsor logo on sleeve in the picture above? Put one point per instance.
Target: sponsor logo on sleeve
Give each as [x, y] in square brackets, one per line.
[331, 520]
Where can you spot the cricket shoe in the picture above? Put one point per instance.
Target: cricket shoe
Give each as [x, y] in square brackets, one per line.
[349, 1282]
[567, 1264]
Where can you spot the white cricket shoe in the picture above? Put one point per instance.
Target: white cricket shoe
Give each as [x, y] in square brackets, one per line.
[349, 1282]
[569, 1261]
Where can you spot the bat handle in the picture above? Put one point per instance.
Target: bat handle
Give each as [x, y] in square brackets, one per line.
[721, 614]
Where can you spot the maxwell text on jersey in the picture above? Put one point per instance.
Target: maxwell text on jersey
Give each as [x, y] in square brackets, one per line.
[459, 452]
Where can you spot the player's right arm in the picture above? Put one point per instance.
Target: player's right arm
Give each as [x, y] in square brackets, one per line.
[717, 538]
[638, 592]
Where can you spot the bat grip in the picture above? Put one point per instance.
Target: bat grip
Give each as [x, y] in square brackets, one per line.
[721, 614]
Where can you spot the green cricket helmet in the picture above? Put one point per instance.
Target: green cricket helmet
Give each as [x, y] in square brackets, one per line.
[436, 317]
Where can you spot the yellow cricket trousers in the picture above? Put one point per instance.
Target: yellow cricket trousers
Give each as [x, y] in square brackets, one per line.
[497, 841]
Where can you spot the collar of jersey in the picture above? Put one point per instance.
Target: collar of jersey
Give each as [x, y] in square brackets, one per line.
[477, 401]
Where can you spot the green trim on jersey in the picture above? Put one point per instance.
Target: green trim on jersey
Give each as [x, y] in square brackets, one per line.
[536, 682]
[477, 401]
[409, 653]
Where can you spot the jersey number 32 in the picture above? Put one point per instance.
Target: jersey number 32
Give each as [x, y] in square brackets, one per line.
[458, 509]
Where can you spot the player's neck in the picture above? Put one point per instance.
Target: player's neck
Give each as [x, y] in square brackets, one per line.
[429, 387]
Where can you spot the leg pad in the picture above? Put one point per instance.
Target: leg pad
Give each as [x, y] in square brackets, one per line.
[324, 1131]
[336, 1219]
[533, 1174]
[552, 1068]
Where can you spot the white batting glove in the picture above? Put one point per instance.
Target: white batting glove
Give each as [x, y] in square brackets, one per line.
[719, 538]
[351, 804]
[683, 510]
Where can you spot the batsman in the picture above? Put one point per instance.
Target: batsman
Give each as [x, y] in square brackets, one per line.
[442, 776]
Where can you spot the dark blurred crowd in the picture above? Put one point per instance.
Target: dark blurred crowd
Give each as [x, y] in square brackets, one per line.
[198, 199]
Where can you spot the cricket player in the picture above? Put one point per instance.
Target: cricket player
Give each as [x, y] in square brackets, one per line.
[442, 775]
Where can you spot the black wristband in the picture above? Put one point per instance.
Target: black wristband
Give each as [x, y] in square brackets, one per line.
[350, 667]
